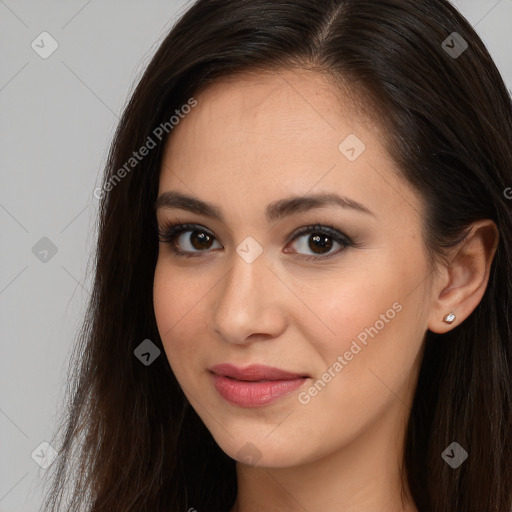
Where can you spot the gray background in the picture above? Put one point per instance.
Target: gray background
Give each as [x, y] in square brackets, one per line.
[58, 117]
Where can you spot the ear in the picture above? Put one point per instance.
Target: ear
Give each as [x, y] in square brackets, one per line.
[462, 280]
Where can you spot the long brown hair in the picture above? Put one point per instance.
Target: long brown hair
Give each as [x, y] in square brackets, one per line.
[130, 440]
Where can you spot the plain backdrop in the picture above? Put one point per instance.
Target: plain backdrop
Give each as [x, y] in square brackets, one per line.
[58, 116]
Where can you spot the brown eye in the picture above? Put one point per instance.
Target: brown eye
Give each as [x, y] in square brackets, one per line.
[192, 240]
[320, 243]
[186, 239]
[320, 240]
[200, 240]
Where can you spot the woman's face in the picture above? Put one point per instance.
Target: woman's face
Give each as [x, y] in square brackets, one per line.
[350, 323]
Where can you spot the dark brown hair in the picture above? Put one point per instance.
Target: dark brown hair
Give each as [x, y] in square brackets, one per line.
[130, 440]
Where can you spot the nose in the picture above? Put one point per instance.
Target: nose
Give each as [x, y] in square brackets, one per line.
[250, 302]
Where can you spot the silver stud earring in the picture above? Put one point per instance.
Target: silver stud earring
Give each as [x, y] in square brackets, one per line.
[449, 318]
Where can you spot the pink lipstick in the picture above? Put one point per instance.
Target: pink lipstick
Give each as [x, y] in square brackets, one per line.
[255, 385]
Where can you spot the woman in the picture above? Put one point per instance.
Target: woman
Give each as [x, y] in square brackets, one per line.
[302, 291]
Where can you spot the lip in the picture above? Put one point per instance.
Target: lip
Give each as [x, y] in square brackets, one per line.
[255, 385]
[254, 372]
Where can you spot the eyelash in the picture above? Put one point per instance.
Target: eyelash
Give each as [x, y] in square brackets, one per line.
[170, 231]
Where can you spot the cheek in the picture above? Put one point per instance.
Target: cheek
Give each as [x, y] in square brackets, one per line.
[364, 371]
[177, 305]
[341, 305]
[367, 332]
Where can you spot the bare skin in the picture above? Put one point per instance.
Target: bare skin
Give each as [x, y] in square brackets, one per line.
[253, 140]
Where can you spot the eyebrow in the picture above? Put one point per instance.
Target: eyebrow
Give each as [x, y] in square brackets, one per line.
[275, 210]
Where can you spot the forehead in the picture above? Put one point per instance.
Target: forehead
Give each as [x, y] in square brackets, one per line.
[256, 137]
[277, 105]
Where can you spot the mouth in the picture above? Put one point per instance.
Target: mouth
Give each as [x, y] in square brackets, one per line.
[255, 372]
[255, 385]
